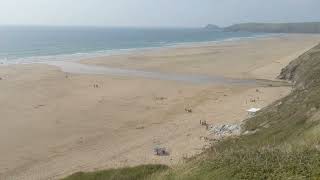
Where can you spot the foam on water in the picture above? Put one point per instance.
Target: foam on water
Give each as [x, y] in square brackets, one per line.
[20, 45]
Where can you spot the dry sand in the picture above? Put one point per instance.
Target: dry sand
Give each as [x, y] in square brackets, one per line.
[53, 124]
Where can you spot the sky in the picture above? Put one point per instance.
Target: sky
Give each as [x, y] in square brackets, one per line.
[155, 13]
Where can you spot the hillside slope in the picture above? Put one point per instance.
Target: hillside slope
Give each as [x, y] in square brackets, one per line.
[307, 27]
[281, 142]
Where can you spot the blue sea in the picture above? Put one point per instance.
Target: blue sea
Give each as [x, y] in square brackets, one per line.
[23, 44]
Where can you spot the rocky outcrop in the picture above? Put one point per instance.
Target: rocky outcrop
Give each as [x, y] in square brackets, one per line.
[213, 27]
[225, 130]
[305, 70]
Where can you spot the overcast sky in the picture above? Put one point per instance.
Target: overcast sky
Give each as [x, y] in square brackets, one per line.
[155, 12]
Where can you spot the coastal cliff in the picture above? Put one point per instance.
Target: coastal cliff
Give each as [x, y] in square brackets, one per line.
[306, 27]
[213, 27]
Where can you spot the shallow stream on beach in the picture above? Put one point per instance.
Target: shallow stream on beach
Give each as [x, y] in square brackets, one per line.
[78, 68]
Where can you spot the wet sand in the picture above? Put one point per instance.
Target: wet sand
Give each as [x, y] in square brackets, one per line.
[54, 123]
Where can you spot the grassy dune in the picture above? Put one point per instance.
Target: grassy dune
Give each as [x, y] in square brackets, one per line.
[284, 143]
[135, 173]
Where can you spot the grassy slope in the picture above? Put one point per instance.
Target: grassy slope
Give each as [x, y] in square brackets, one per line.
[286, 142]
[311, 27]
[135, 173]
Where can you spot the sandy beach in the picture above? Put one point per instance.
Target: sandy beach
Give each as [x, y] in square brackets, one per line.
[54, 123]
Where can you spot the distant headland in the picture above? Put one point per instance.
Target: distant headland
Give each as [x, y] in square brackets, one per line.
[302, 27]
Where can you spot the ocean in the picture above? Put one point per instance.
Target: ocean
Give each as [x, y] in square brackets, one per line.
[23, 44]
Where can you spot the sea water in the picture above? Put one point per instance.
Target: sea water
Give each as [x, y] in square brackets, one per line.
[27, 44]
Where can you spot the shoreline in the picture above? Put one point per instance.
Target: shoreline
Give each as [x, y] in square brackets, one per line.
[83, 122]
[87, 69]
[76, 57]
[181, 59]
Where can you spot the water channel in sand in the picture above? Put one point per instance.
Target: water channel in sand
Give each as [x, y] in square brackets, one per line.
[78, 68]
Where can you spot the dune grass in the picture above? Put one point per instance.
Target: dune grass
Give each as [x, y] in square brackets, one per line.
[135, 173]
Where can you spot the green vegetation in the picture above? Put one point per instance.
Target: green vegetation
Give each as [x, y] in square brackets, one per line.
[251, 164]
[136, 173]
[285, 143]
[308, 27]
